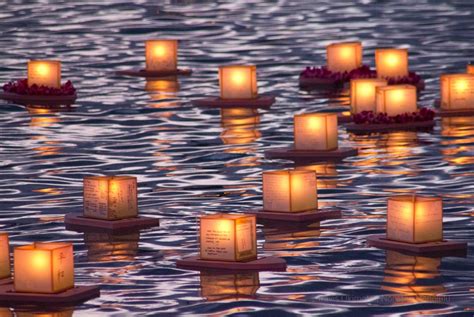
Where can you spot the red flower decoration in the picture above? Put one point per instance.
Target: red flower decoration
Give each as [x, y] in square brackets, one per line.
[369, 117]
[20, 87]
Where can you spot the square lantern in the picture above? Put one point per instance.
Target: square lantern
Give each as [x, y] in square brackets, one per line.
[238, 81]
[44, 73]
[457, 91]
[470, 69]
[228, 237]
[344, 57]
[315, 131]
[363, 94]
[415, 219]
[391, 62]
[43, 267]
[4, 255]
[161, 55]
[110, 197]
[396, 99]
[289, 191]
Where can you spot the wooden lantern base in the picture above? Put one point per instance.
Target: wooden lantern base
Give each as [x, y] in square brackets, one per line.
[78, 294]
[442, 247]
[261, 264]
[371, 128]
[154, 74]
[322, 83]
[456, 113]
[216, 102]
[307, 155]
[39, 99]
[77, 222]
[305, 216]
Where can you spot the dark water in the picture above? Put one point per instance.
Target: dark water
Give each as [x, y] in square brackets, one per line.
[191, 161]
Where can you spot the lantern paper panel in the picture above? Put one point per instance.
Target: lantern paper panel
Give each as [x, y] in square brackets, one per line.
[470, 69]
[363, 94]
[289, 191]
[315, 131]
[44, 267]
[457, 91]
[225, 237]
[396, 99]
[391, 62]
[110, 197]
[161, 55]
[238, 81]
[344, 57]
[4, 255]
[44, 73]
[415, 219]
[222, 286]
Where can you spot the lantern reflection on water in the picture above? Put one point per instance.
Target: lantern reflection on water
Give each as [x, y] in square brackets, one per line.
[290, 238]
[218, 286]
[105, 247]
[163, 91]
[239, 125]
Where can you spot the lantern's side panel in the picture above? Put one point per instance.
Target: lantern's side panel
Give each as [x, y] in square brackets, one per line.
[32, 269]
[331, 132]
[303, 191]
[400, 220]
[380, 100]
[246, 239]
[123, 198]
[63, 268]
[470, 69]
[96, 197]
[444, 87]
[428, 220]
[47, 73]
[276, 192]
[461, 92]
[161, 55]
[4, 256]
[217, 239]
[253, 77]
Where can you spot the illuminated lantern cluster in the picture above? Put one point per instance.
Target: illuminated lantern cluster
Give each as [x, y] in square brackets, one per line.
[289, 191]
[44, 73]
[161, 55]
[344, 57]
[110, 197]
[415, 219]
[227, 237]
[391, 62]
[238, 81]
[362, 94]
[457, 91]
[396, 99]
[4, 256]
[315, 131]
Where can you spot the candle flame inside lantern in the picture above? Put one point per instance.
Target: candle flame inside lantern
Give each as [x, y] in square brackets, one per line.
[461, 85]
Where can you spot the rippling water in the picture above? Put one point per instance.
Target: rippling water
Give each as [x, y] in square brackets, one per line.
[191, 161]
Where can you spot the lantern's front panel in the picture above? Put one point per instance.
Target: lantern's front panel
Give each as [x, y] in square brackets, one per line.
[400, 219]
[161, 55]
[44, 268]
[4, 256]
[246, 238]
[303, 191]
[396, 99]
[44, 73]
[363, 94]
[276, 191]
[470, 69]
[391, 63]
[344, 57]
[238, 82]
[215, 287]
[317, 131]
[428, 219]
[457, 91]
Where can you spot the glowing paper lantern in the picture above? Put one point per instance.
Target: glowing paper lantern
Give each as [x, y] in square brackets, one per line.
[43, 72]
[110, 197]
[344, 57]
[470, 69]
[289, 191]
[4, 256]
[315, 131]
[161, 55]
[227, 237]
[363, 94]
[238, 81]
[415, 219]
[396, 99]
[391, 62]
[457, 91]
[43, 267]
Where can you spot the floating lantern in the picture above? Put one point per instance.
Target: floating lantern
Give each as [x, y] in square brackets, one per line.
[44, 72]
[396, 99]
[227, 237]
[344, 57]
[363, 94]
[415, 219]
[289, 191]
[457, 91]
[224, 286]
[4, 256]
[110, 197]
[391, 62]
[43, 267]
[238, 81]
[470, 69]
[315, 131]
[161, 55]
